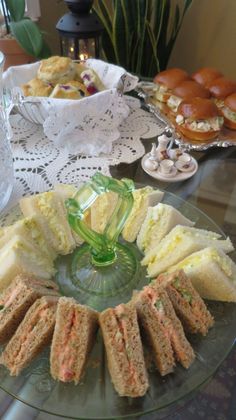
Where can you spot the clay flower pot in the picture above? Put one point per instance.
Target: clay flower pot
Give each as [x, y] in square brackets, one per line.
[14, 54]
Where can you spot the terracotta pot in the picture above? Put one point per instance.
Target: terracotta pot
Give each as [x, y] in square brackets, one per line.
[14, 54]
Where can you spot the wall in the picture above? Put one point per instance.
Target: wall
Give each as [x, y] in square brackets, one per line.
[207, 36]
[51, 11]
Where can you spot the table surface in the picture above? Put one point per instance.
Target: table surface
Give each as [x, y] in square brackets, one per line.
[213, 190]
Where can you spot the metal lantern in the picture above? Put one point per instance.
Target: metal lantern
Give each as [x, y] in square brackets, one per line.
[79, 31]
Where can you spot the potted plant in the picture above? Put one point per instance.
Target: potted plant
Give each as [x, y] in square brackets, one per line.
[21, 41]
[139, 35]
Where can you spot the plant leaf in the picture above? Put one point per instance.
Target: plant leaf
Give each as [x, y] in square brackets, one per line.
[45, 51]
[28, 36]
[16, 9]
[120, 33]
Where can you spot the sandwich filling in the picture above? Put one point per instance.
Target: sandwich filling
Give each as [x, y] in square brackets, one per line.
[47, 207]
[173, 102]
[28, 334]
[121, 342]
[223, 261]
[66, 348]
[231, 115]
[158, 306]
[204, 125]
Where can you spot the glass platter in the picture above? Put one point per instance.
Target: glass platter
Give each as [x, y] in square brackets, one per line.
[95, 397]
[226, 137]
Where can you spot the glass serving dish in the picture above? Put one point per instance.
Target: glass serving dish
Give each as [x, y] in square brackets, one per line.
[225, 138]
[95, 397]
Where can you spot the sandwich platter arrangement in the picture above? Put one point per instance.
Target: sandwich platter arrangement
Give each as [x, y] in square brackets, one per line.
[115, 301]
[199, 109]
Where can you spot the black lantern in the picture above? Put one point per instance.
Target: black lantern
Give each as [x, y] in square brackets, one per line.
[79, 31]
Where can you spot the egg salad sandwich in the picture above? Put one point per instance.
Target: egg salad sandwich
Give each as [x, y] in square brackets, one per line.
[162, 329]
[17, 299]
[187, 303]
[102, 210]
[32, 336]
[66, 191]
[143, 198]
[124, 350]
[180, 242]
[18, 256]
[29, 228]
[51, 215]
[212, 273]
[73, 338]
[159, 221]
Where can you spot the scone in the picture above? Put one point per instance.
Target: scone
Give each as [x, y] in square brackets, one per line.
[56, 70]
[71, 90]
[79, 68]
[36, 87]
[92, 82]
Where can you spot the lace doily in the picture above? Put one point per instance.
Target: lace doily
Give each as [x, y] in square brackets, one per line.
[39, 164]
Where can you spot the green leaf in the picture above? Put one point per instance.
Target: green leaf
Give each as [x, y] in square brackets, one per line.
[28, 36]
[1, 307]
[45, 51]
[16, 9]
[120, 33]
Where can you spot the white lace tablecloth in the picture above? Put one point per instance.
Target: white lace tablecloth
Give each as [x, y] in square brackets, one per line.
[39, 164]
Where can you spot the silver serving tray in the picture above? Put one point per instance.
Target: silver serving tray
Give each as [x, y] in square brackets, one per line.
[226, 137]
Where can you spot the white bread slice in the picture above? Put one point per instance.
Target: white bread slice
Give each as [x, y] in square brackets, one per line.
[30, 229]
[159, 221]
[102, 209]
[180, 242]
[143, 198]
[66, 191]
[212, 273]
[51, 215]
[18, 256]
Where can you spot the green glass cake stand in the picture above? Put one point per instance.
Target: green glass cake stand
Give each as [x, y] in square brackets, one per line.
[103, 269]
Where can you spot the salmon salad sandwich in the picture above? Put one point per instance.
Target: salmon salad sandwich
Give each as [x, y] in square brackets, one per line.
[188, 304]
[121, 335]
[32, 335]
[73, 339]
[162, 329]
[15, 301]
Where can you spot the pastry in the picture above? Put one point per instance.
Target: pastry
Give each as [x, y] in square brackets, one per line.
[71, 90]
[37, 87]
[92, 81]
[56, 70]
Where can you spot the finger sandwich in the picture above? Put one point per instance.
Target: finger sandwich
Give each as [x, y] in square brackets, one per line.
[212, 273]
[162, 329]
[159, 221]
[33, 334]
[73, 338]
[52, 217]
[17, 299]
[143, 198]
[29, 228]
[124, 350]
[18, 256]
[180, 242]
[187, 303]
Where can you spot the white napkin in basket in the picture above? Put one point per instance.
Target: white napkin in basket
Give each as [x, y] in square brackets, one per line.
[89, 125]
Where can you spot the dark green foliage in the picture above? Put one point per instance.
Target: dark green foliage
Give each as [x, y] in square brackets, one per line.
[139, 35]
